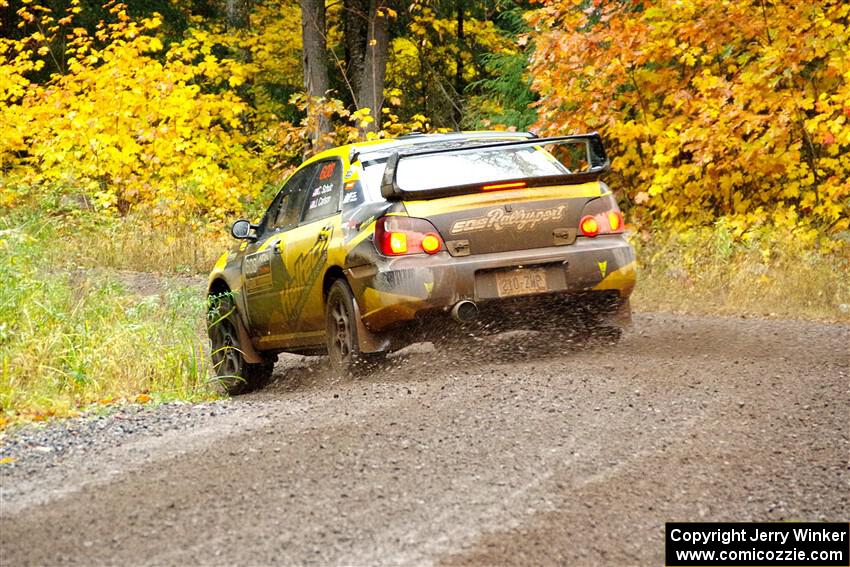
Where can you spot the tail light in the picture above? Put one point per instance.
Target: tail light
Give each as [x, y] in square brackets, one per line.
[499, 186]
[609, 222]
[400, 236]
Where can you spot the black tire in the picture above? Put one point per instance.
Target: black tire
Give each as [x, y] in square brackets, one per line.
[231, 373]
[343, 347]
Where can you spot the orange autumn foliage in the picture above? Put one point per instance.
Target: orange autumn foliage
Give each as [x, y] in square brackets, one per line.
[737, 109]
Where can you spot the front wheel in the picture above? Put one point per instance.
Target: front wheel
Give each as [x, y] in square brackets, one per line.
[342, 341]
[231, 373]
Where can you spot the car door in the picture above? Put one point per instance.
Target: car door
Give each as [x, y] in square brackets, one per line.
[266, 278]
[308, 245]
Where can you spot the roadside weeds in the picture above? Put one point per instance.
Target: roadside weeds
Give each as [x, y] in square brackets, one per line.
[112, 312]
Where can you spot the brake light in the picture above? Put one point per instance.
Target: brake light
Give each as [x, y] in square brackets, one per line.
[498, 186]
[610, 222]
[589, 226]
[400, 236]
[431, 243]
[398, 243]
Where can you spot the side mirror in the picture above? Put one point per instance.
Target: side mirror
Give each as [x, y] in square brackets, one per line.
[242, 230]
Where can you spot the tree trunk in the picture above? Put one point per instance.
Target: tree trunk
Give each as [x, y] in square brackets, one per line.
[423, 77]
[315, 60]
[459, 83]
[371, 93]
[236, 13]
[356, 31]
[237, 17]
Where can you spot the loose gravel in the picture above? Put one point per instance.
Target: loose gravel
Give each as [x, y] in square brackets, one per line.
[516, 451]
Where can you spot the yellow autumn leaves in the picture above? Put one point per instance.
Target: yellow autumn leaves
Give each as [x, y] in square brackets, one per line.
[178, 132]
[119, 122]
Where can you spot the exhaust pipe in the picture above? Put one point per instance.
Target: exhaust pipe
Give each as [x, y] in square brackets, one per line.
[464, 311]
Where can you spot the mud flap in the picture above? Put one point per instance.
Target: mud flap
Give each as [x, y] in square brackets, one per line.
[367, 341]
[246, 347]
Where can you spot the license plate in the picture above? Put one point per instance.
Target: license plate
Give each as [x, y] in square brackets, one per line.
[521, 282]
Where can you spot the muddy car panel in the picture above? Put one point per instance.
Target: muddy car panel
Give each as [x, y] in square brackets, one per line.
[507, 220]
[399, 289]
[280, 278]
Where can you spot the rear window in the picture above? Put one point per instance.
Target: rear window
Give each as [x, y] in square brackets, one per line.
[481, 166]
[447, 170]
[450, 171]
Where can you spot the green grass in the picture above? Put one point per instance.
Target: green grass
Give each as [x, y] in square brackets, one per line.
[136, 244]
[71, 336]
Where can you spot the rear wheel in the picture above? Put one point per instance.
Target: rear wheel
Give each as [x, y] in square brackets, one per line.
[231, 373]
[342, 341]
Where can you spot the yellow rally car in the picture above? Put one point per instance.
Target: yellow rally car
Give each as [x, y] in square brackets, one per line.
[369, 246]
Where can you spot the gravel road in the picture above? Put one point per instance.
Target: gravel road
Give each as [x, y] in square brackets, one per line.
[497, 454]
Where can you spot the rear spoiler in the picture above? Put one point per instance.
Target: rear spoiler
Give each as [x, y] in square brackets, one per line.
[596, 157]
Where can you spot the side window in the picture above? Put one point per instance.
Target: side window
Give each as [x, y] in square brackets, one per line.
[292, 201]
[353, 195]
[323, 193]
[271, 212]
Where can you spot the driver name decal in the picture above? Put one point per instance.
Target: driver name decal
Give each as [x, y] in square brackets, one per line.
[499, 219]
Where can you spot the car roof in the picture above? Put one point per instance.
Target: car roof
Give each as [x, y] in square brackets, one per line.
[379, 149]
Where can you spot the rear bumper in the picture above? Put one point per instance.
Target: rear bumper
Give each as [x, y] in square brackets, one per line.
[398, 290]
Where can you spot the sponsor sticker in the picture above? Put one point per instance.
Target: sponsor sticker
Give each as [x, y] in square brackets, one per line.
[519, 219]
[327, 171]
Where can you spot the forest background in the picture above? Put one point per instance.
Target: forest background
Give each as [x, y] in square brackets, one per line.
[131, 133]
